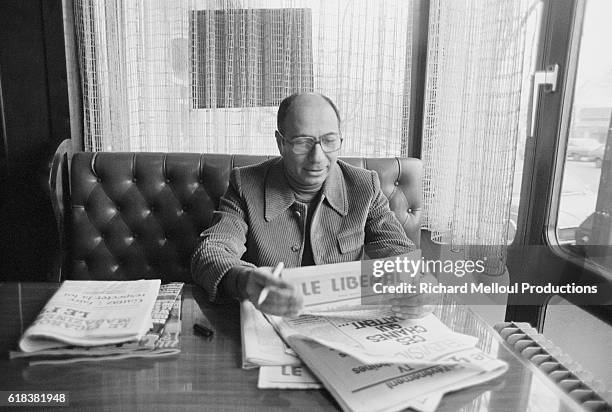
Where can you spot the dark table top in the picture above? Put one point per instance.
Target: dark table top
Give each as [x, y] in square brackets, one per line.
[207, 374]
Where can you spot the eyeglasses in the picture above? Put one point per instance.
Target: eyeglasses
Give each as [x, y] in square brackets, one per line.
[304, 144]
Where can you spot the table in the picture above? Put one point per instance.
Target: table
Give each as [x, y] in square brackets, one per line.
[207, 374]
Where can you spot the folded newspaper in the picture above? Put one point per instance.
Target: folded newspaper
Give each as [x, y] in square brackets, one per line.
[287, 377]
[261, 345]
[162, 321]
[393, 386]
[368, 357]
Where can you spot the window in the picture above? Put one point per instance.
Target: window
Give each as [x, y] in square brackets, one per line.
[207, 76]
[583, 217]
[269, 51]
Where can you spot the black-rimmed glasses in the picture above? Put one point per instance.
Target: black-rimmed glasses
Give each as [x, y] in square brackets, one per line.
[304, 144]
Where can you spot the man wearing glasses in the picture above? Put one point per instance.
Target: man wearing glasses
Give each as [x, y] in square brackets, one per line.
[304, 208]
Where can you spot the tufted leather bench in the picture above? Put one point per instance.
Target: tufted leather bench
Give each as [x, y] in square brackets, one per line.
[139, 215]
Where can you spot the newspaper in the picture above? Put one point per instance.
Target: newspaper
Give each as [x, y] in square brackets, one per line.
[300, 377]
[287, 377]
[261, 345]
[167, 344]
[90, 313]
[366, 355]
[378, 336]
[170, 337]
[164, 303]
[342, 285]
[336, 369]
[393, 386]
[335, 317]
[168, 295]
[166, 299]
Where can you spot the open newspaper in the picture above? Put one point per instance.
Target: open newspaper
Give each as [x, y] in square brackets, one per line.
[162, 339]
[367, 356]
[298, 376]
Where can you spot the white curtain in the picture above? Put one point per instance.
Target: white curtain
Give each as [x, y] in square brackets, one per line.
[480, 54]
[207, 76]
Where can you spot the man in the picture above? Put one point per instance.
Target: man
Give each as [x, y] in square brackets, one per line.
[304, 208]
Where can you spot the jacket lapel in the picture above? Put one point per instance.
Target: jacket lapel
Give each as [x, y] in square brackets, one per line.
[278, 194]
[334, 191]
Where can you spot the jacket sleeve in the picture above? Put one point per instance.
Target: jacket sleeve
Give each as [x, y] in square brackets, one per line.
[221, 245]
[384, 235]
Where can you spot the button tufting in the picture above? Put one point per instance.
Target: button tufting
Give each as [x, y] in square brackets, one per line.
[99, 180]
[409, 210]
[396, 183]
[167, 180]
[297, 214]
[295, 248]
[134, 180]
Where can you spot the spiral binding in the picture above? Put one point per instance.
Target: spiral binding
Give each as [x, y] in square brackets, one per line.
[569, 375]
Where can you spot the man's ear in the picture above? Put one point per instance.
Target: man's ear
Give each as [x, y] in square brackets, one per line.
[279, 142]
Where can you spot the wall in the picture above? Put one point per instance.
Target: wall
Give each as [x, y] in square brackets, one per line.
[34, 110]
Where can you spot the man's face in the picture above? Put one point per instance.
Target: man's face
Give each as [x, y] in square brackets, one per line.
[309, 116]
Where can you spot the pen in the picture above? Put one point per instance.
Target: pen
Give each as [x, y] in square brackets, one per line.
[264, 292]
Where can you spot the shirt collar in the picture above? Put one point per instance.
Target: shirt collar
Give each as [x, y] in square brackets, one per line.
[279, 196]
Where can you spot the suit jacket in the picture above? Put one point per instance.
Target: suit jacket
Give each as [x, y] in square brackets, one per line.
[259, 223]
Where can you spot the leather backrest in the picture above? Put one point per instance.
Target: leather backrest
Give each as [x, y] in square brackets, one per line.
[139, 215]
[59, 189]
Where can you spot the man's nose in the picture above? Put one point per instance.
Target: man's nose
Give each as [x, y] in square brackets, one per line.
[316, 154]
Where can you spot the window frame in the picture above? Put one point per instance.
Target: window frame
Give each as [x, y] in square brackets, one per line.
[559, 42]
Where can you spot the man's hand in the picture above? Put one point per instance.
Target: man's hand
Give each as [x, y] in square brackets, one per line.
[283, 298]
[415, 306]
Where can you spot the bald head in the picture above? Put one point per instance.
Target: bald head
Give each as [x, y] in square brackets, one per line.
[292, 108]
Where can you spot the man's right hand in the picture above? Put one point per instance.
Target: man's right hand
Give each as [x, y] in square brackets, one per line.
[283, 298]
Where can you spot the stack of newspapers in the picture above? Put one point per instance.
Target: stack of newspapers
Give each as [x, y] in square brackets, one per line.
[105, 320]
[368, 357]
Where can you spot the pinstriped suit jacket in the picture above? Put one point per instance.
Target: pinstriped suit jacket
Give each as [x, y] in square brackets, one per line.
[259, 223]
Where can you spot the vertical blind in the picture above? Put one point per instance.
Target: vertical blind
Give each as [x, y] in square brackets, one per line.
[480, 57]
[277, 44]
